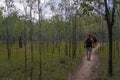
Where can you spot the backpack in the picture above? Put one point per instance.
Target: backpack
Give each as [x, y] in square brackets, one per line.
[94, 39]
[88, 42]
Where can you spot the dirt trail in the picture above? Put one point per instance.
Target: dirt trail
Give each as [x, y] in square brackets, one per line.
[87, 70]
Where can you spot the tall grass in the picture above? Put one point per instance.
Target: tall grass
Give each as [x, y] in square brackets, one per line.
[53, 68]
[103, 68]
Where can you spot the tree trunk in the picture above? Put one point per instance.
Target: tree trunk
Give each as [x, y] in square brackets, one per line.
[114, 48]
[110, 51]
[40, 39]
[25, 49]
[8, 44]
[110, 21]
[20, 39]
[31, 39]
[74, 38]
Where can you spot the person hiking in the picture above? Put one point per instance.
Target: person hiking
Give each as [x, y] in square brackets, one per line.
[95, 40]
[88, 44]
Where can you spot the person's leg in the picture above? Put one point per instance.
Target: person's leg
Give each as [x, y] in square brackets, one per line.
[90, 52]
[89, 55]
[95, 44]
[87, 51]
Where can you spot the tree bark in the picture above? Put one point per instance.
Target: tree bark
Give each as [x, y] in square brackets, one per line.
[74, 38]
[110, 61]
[40, 38]
[31, 40]
[110, 22]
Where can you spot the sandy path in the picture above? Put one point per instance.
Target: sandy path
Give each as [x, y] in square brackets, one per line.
[87, 70]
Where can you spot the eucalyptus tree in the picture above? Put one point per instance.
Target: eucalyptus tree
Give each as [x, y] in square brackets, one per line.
[110, 22]
[40, 37]
[9, 9]
[58, 29]
[67, 11]
[117, 24]
[63, 6]
[74, 36]
[74, 28]
[39, 11]
[54, 27]
[25, 32]
[116, 32]
[53, 35]
[30, 6]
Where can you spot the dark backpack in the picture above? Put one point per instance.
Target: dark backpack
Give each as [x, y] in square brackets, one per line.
[88, 42]
[94, 39]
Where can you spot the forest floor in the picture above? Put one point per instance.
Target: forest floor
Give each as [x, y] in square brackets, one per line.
[87, 69]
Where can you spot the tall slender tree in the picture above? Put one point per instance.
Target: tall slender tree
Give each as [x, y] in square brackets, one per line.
[110, 22]
[74, 32]
[30, 4]
[40, 38]
[9, 5]
[25, 35]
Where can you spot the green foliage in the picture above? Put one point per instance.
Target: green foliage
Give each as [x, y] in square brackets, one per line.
[55, 28]
[53, 68]
[103, 67]
[117, 2]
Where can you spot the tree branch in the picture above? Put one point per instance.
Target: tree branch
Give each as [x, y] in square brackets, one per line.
[113, 13]
[107, 14]
[99, 12]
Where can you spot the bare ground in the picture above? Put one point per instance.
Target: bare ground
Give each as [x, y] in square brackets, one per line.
[87, 70]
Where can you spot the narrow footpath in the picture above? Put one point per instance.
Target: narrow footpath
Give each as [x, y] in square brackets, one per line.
[87, 70]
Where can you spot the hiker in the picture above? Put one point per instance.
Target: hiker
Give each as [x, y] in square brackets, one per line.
[88, 44]
[95, 40]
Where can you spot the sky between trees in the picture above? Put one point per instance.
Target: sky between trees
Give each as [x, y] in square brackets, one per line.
[20, 7]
